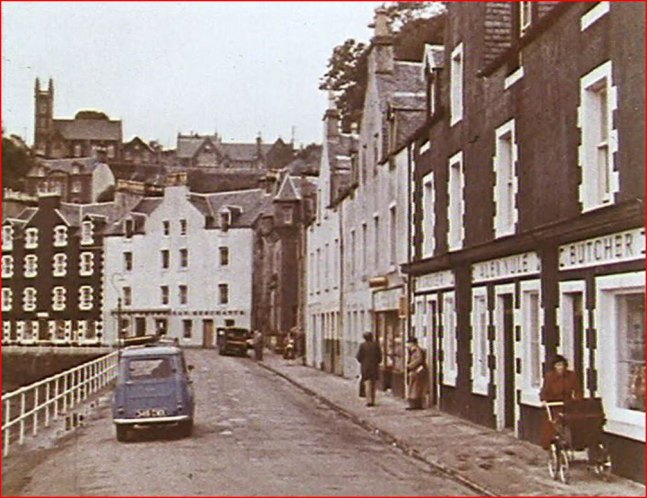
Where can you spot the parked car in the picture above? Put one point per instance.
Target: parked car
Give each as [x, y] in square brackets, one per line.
[154, 388]
[234, 340]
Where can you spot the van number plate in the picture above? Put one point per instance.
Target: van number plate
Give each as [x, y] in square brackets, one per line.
[151, 412]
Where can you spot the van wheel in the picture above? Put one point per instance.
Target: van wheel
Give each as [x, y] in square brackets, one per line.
[123, 433]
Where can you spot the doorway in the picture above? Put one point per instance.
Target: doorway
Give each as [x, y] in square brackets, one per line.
[505, 408]
[207, 333]
[434, 366]
[161, 326]
[140, 326]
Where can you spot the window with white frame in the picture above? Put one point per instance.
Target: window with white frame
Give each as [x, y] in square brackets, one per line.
[6, 329]
[86, 297]
[59, 265]
[532, 319]
[60, 236]
[58, 298]
[428, 216]
[29, 299]
[31, 266]
[7, 299]
[7, 266]
[86, 264]
[7, 238]
[187, 327]
[87, 233]
[598, 100]
[505, 185]
[620, 358]
[456, 85]
[449, 343]
[594, 14]
[480, 349]
[31, 238]
[456, 202]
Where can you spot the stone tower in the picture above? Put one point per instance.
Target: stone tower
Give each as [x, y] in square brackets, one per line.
[43, 116]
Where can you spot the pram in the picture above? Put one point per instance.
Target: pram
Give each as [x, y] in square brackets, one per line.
[578, 427]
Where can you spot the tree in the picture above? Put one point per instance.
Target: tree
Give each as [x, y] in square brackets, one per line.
[414, 24]
[90, 114]
[16, 162]
[108, 194]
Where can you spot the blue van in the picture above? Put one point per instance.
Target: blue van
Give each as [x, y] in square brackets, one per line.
[153, 389]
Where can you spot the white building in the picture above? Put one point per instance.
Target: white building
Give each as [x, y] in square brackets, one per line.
[182, 264]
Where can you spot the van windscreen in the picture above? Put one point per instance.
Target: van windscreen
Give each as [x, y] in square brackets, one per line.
[149, 368]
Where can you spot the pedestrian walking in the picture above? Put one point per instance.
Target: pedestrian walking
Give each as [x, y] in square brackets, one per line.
[369, 357]
[418, 375]
[257, 343]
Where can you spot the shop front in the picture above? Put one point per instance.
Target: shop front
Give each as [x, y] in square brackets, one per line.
[390, 334]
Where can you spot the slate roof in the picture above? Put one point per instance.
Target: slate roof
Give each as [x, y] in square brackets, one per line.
[147, 205]
[252, 204]
[88, 129]
[187, 146]
[86, 165]
[288, 190]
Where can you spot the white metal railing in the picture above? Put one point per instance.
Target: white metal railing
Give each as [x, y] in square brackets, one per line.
[49, 398]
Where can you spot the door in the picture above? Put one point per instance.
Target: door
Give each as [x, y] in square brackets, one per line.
[207, 333]
[508, 359]
[140, 326]
[578, 332]
[434, 370]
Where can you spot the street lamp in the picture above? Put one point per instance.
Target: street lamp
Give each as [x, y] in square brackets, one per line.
[117, 277]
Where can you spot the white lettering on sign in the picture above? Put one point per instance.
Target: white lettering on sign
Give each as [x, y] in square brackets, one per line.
[614, 248]
[433, 281]
[518, 265]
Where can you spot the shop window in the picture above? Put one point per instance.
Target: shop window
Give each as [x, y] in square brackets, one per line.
[450, 367]
[187, 326]
[29, 299]
[59, 265]
[86, 264]
[7, 266]
[480, 349]
[630, 372]
[532, 368]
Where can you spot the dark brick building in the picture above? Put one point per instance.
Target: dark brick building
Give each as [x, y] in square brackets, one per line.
[528, 204]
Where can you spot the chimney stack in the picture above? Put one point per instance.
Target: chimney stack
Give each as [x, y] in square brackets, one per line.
[382, 42]
[331, 118]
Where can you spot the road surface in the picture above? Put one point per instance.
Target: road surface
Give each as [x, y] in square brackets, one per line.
[255, 434]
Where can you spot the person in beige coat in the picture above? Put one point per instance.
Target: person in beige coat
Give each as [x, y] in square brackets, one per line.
[418, 375]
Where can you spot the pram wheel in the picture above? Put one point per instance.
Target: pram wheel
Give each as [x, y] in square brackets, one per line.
[601, 460]
[558, 464]
[553, 461]
[564, 466]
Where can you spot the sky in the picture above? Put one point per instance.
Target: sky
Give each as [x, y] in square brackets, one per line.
[238, 68]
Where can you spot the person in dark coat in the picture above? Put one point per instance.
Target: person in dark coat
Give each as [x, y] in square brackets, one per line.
[560, 384]
[418, 375]
[369, 357]
[257, 343]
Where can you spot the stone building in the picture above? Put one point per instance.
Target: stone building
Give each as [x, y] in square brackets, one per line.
[89, 134]
[52, 268]
[528, 213]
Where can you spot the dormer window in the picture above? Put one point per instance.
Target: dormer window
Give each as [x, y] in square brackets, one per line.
[60, 236]
[31, 238]
[129, 228]
[77, 150]
[7, 238]
[87, 233]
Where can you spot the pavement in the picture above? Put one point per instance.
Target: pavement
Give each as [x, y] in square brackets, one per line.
[487, 461]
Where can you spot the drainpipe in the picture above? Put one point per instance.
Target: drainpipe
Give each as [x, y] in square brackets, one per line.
[408, 279]
[340, 317]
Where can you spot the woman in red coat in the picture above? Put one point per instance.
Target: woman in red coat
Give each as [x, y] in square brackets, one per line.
[560, 384]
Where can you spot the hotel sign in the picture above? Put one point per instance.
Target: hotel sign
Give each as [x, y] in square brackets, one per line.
[615, 248]
[518, 265]
[433, 281]
[387, 300]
